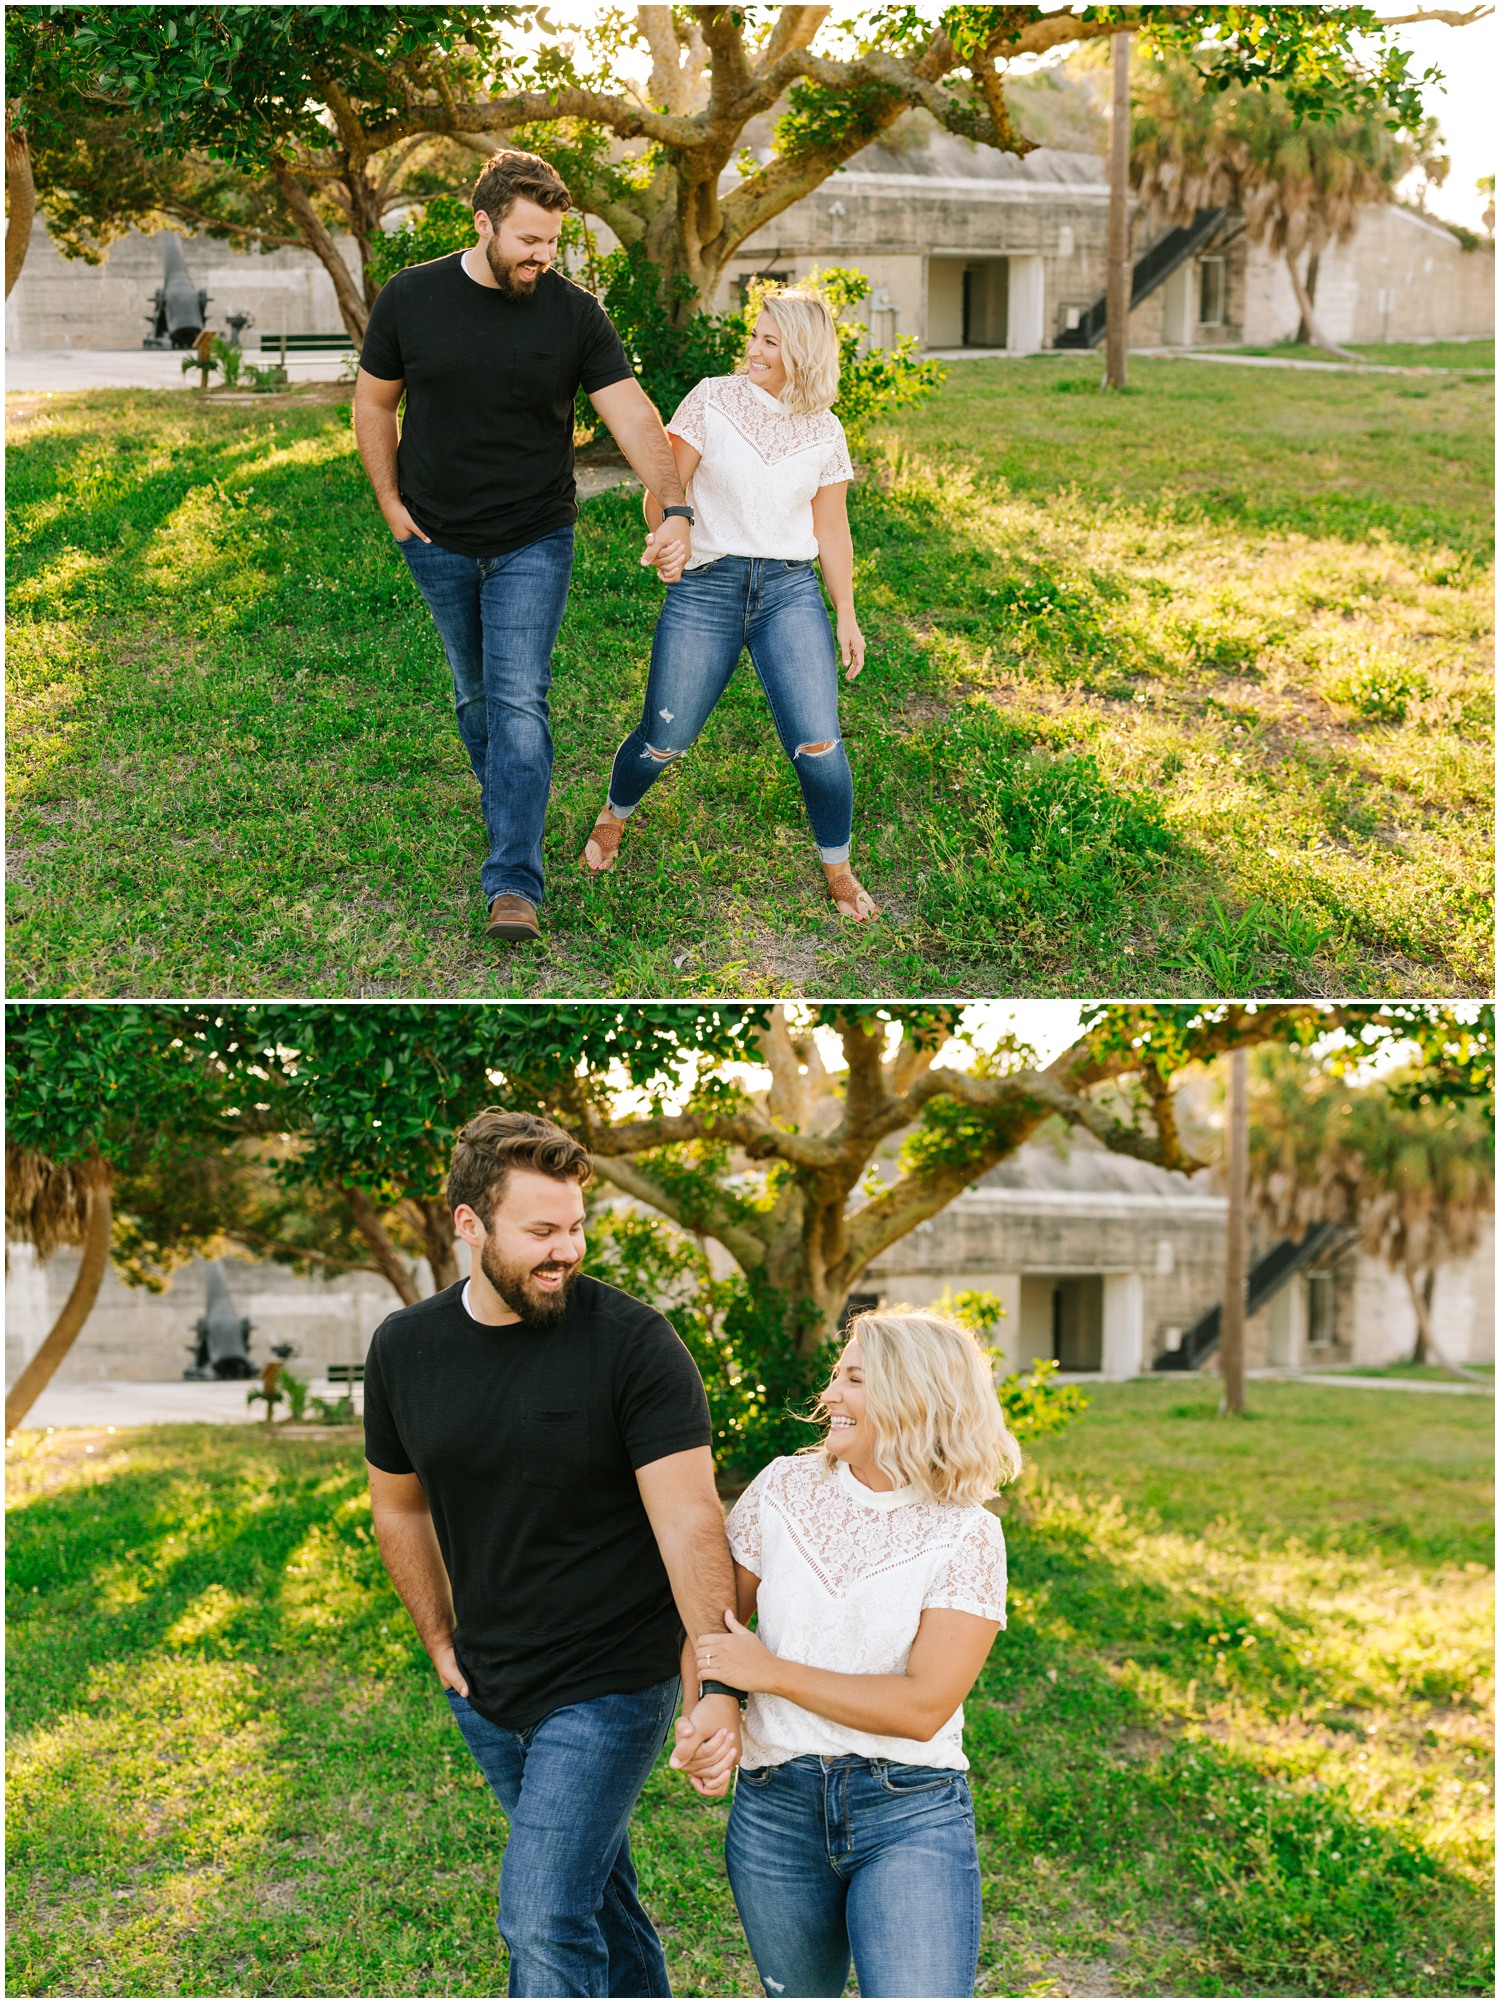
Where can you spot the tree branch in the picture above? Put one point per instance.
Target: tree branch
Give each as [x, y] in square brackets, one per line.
[706, 1218]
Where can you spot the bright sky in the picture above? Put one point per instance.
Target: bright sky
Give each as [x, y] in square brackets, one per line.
[1463, 105]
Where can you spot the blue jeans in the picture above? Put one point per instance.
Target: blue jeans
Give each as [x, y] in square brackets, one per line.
[829, 1856]
[498, 619]
[569, 1910]
[776, 610]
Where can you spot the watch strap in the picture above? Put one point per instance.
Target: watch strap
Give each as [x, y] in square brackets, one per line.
[710, 1686]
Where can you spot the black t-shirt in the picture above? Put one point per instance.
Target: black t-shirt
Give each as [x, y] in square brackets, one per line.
[485, 462]
[526, 1441]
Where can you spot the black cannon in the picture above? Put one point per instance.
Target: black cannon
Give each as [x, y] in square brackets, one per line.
[222, 1348]
[179, 308]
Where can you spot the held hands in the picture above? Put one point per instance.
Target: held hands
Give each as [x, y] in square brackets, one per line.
[668, 548]
[708, 1744]
[851, 645]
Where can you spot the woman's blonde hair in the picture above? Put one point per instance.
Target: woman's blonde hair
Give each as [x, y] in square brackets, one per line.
[932, 1409]
[809, 349]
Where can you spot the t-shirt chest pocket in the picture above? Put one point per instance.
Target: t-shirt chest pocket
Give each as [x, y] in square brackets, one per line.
[527, 378]
[555, 1448]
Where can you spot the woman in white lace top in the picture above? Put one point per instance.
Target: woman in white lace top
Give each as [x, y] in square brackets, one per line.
[878, 1581]
[766, 465]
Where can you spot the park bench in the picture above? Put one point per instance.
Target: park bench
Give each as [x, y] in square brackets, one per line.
[346, 1373]
[304, 344]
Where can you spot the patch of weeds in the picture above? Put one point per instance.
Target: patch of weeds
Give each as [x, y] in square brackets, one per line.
[1245, 953]
[1380, 687]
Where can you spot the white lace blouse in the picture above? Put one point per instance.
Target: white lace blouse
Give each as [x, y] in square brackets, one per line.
[759, 468]
[845, 1575]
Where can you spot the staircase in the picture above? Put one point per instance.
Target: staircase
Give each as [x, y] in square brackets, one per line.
[1267, 1277]
[1148, 271]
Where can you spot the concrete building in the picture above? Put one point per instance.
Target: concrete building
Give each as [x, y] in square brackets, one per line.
[965, 248]
[1101, 1262]
[1104, 1263]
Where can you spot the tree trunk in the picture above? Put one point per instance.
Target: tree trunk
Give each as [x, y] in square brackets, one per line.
[396, 1269]
[1232, 1311]
[1117, 290]
[437, 1239]
[1304, 332]
[1425, 1349]
[39, 1372]
[352, 308]
[20, 197]
[1315, 334]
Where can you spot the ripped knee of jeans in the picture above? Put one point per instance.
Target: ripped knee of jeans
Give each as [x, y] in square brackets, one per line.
[816, 750]
[661, 757]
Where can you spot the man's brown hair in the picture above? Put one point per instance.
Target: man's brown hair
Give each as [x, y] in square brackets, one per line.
[494, 1142]
[511, 176]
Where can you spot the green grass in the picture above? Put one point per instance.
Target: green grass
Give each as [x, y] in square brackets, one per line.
[1478, 355]
[1179, 692]
[1235, 1741]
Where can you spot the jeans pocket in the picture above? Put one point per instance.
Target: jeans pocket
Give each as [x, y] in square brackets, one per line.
[754, 1776]
[917, 1780]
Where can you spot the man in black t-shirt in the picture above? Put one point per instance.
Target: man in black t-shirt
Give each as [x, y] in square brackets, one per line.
[542, 1486]
[489, 349]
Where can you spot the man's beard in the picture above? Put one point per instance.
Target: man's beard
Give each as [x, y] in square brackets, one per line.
[501, 270]
[513, 1285]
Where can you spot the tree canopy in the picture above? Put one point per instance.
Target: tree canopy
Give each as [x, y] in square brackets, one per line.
[271, 124]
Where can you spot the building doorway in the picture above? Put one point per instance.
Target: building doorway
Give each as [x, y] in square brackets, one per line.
[986, 303]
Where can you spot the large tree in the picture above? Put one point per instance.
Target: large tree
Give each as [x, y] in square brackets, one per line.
[270, 124]
[779, 1177]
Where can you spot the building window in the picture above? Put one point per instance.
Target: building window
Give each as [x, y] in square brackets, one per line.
[1211, 292]
[747, 278]
[858, 1304]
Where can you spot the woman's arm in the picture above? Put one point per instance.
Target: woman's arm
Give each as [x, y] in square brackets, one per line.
[947, 1655]
[836, 557]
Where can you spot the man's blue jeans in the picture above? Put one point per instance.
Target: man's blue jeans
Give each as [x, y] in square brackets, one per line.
[569, 1911]
[775, 609]
[832, 1856]
[498, 619]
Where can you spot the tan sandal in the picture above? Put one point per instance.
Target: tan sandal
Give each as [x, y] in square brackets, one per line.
[846, 890]
[604, 838]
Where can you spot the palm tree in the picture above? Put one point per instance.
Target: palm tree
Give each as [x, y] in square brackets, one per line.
[49, 1204]
[1415, 1180]
[1299, 187]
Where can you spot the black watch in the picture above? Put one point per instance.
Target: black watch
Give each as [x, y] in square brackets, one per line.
[710, 1686]
[679, 508]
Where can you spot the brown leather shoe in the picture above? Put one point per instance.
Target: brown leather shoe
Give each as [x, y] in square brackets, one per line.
[512, 918]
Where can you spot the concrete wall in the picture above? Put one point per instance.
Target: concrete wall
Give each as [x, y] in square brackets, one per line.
[134, 1334]
[1399, 278]
[61, 302]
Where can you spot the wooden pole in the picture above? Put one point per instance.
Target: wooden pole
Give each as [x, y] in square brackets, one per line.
[1117, 288]
[1232, 1312]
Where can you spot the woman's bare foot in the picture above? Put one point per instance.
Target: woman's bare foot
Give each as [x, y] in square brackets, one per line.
[603, 844]
[849, 895]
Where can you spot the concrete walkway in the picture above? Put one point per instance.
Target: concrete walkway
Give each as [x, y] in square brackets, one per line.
[126, 1403]
[1353, 1383]
[1318, 368]
[139, 368]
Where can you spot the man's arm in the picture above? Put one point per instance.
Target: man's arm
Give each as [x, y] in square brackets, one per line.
[632, 417]
[409, 1549]
[688, 1523]
[376, 402]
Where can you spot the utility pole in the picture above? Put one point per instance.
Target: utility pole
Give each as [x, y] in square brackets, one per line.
[1232, 1312]
[1117, 287]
